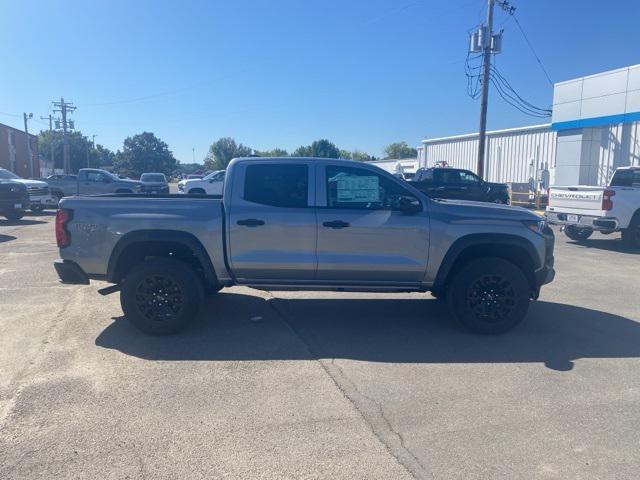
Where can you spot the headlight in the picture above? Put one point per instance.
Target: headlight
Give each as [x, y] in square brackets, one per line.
[537, 226]
[15, 189]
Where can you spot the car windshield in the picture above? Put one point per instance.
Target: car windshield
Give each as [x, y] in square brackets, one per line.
[212, 175]
[153, 177]
[7, 175]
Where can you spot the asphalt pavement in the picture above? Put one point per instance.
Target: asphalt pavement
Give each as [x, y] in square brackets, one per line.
[318, 385]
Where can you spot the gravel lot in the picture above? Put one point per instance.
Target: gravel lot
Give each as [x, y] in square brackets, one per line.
[318, 385]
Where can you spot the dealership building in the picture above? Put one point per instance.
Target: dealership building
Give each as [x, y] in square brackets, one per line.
[594, 129]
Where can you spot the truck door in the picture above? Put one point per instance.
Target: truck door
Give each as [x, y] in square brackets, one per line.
[272, 222]
[371, 229]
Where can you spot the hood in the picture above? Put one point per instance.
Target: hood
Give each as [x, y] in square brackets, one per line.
[498, 185]
[480, 210]
[31, 183]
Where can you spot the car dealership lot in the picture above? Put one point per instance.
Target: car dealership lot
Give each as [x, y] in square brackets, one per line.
[318, 385]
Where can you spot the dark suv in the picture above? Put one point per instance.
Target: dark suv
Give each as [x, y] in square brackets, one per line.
[459, 184]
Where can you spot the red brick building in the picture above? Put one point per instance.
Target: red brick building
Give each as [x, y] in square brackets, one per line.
[13, 152]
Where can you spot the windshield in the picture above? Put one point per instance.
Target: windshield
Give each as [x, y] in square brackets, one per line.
[153, 177]
[213, 175]
[7, 175]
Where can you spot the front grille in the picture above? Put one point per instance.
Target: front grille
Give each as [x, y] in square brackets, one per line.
[38, 190]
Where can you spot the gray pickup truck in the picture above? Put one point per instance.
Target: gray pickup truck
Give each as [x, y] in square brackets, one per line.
[91, 181]
[305, 224]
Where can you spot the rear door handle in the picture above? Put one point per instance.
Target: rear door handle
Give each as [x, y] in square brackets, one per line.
[250, 222]
[336, 224]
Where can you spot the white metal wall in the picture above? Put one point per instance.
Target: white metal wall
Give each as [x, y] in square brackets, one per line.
[513, 155]
[617, 146]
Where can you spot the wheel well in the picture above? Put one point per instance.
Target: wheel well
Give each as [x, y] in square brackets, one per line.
[513, 253]
[142, 251]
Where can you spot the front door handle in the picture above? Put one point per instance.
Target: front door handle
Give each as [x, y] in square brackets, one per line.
[250, 222]
[336, 224]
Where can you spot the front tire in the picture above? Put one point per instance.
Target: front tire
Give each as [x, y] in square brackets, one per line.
[577, 234]
[14, 215]
[489, 295]
[161, 296]
[631, 234]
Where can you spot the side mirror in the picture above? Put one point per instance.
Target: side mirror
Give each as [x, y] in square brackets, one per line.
[408, 206]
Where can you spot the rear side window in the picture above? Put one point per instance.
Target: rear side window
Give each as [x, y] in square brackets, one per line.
[277, 185]
[447, 177]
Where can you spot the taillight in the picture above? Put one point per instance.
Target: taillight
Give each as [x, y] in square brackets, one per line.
[63, 237]
[607, 201]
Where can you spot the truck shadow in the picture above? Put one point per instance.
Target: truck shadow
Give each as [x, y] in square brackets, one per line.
[246, 328]
[22, 221]
[609, 244]
[6, 238]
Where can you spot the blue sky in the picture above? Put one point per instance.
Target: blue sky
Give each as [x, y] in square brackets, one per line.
[281, 73]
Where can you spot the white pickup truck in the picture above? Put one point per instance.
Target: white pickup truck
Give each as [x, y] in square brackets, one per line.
[615, 208]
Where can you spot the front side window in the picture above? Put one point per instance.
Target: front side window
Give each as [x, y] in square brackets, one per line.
[277, 185]
[96, 177]
[357, 188]
[469, 178]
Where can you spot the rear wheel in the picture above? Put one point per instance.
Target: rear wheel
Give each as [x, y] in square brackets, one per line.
[631, 234]
[489, 295]
[36, 208]
[501, 200]
[161, 296]
[577, 234]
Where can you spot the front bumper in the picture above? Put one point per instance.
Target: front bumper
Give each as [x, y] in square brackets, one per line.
[20, 203]
[546, 274]
[70, 272]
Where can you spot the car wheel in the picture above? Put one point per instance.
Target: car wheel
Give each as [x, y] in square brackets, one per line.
[489, 295]
[197, 191]
[631, 234]
[36, 208]
[577, 234]
[14, 215]
[58, 196]
[501, 201]
[161, 296]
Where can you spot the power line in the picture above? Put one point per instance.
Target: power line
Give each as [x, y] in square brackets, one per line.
[531, 48]
[505, 83]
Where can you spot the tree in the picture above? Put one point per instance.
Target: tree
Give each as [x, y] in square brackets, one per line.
[320, 148]
[81, 151]
[346, 154]
[276, 152]
[145, 153]
[222, 151]
[362, 156]
[400, 150]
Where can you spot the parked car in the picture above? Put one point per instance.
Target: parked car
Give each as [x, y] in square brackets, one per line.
[306, 224]
[92, 181]
[212, 184]
[14, 199]
[39, 194]
[459, 184]
[154, 183]
[62, 185]
[616, 208]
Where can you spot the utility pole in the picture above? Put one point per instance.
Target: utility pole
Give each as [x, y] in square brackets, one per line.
[64, 108]
[51, 140]
[484, 98]
[28, 142]
[486, 42]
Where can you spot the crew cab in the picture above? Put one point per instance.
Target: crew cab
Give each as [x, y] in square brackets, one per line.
[583, 209]
[456, 183]
[305, 224]
[211, 184]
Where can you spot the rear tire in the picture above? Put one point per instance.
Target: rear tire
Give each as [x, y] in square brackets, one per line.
[161, 296]
[577, 234]
[631, 234]
[36, 208]
[489, 295]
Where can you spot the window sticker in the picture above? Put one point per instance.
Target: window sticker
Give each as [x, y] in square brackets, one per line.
[358, 189]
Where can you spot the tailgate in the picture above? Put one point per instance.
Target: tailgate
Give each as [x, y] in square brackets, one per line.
[581, 197]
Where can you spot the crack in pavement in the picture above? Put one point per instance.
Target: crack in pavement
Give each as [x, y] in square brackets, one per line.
[370, 410]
